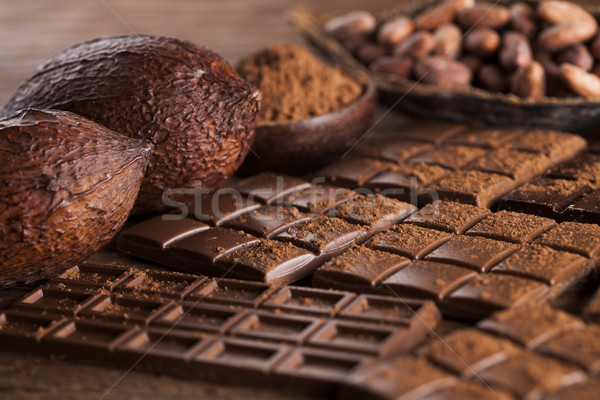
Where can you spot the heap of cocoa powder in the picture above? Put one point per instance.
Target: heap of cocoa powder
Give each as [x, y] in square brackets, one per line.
[295, 85]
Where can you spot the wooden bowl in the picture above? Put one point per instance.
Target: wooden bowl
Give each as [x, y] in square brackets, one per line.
[467, 104]
[299, 147]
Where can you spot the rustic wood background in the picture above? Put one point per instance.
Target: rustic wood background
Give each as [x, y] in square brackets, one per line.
[30, 32]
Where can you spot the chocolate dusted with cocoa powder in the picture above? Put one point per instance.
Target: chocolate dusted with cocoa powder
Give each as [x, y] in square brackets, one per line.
[473, 252]
[375, 211]
[559, 146]
[585, 167]
[530, 325]
[404, 180]
[468, 390]
[448, 156]
[579, 346]
[448, 216]
[586, 390]
[267, 221]
[512, 227]
[316, 199]
[545, 197]
[269, 187]
[352, 173]
[215, 208]
[470, 350]
[426, 280]
[486, 137]
[409, 240]
[358, 268]
[430, 132]
[478, 188]
[390, 149]
[575, 237]
[545, 264]
[518, 165]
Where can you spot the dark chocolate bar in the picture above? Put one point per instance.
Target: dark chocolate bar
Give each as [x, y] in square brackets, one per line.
[222, 330]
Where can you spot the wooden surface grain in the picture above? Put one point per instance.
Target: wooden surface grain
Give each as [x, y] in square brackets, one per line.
[30, 32]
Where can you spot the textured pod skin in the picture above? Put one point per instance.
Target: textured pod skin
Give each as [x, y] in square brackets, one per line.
[185, 99]
[68, 185]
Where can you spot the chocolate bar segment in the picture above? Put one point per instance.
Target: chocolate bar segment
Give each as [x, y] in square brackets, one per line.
[574, 237]
[308, 301]
[353, 172]
[491, 292]
[316, 198]
[559, 146]
[586, 209]
[403, 181]
[220, 206]
[579, 346]
[231, 292]
[469, 350]
[451, 157]
[530, 325]
[587, 390]
[269, 187]
[448, 216]
[267, 221]
[512, 227]
[478, 188]
[470, 391]
[430, 132]
[583, 167]
[518, 165]
[390, 149]
[474, 252]
[159, 284]
[359, 268]
[408, 240]
[489, 138]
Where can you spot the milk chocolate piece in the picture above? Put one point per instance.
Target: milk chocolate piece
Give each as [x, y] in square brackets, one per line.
[308, 301]
[469, 350]
[473, 252]
[220, 206]
[544, 264]
[544, 197]
[353, 172]
[478, 188]
[448, 216]
[487, 293]
[579, 346]
[518, 165]
[512, 227]
[405, 377]
[198, 253]
[470, 391]
[375, 211]
[489, 138]
[322, 235]
[558, 146]
[530, 325]
[409, 240]
[316, 199]
[268, 187]
[575, 237]
[358, 268]
[448, 156]
[531, 375]
[426, 279]
[267, 221]
[150, 238]
[268, 261]
[431, 132]
[393, 149]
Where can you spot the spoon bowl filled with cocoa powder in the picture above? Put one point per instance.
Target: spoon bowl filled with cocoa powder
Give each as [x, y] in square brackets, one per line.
[311, 113]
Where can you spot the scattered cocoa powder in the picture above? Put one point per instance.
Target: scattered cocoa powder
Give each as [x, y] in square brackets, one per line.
[295, 85]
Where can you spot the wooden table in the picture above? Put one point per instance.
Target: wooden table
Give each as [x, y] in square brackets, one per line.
[30, 32]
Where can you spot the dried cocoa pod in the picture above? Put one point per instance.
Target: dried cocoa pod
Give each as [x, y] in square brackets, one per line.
[595, 47]
[579, 81]
[558, 12]
[482, 42]
[68, 185]
[566, 34]
[400, 66]
[471, 61]
[440, 13]
[395, 30]
[484, 15]
[369, 52]
[350, 24]
[442, 71]
[515, 51]
[522, 19]
[491, 77]
[185, 99]
[529, 81]
[417, 45]
[577, 54]
[448, 40]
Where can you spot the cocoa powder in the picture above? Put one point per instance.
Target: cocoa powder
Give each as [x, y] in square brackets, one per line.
[295, 85]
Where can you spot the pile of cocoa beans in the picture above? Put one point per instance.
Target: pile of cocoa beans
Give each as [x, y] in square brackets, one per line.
[552, 49]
